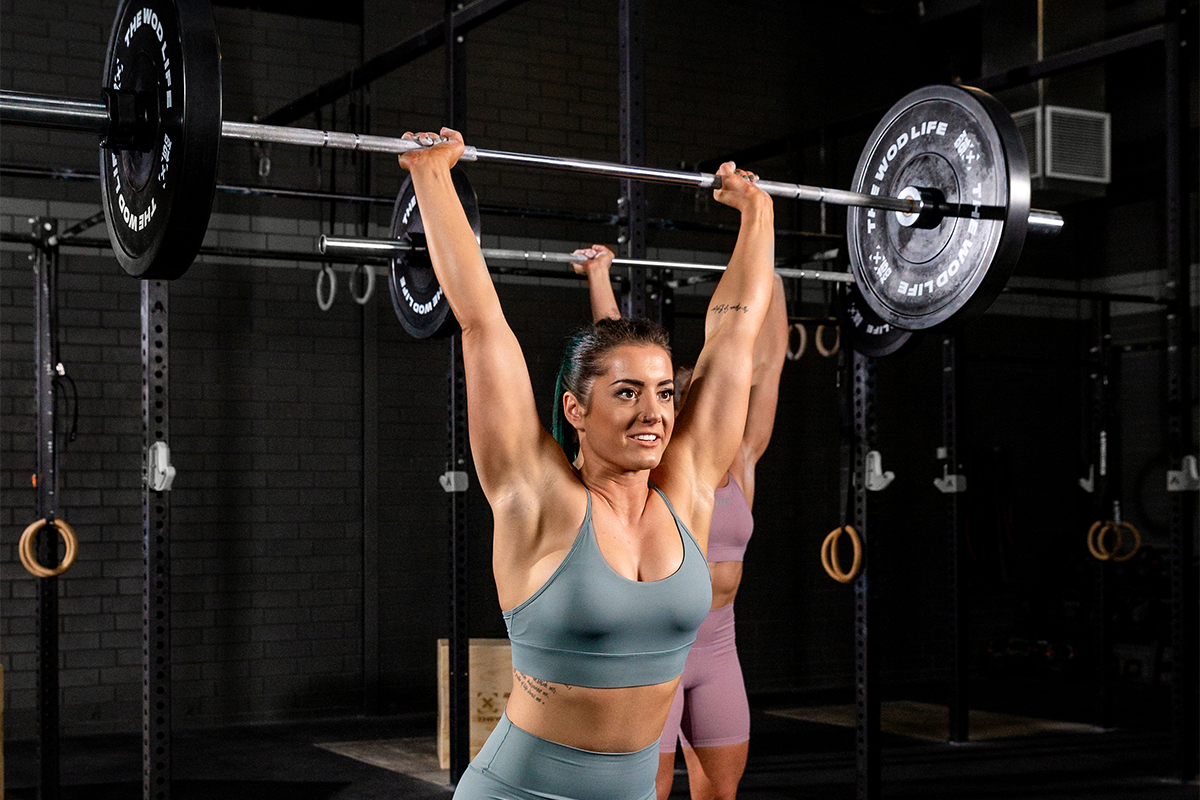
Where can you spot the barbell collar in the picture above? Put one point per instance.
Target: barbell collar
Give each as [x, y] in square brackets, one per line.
[356, 246]
[56, 113]
[132, 120]
[1044, 223]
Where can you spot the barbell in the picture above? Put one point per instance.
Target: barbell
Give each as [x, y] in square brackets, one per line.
[363, 247]
[937, 213]
[423, 311]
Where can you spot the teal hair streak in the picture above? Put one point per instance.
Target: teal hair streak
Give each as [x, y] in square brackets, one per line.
[560, 429]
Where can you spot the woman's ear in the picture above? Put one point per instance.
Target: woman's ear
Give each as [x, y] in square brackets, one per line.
[573, 410]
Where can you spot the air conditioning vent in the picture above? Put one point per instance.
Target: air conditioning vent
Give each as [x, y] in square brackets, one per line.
[1029, 123]
[1066, 144]
[1078, 144]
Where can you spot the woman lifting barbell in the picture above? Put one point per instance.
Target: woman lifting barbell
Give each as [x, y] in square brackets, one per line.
[710, 715]
[601, 613]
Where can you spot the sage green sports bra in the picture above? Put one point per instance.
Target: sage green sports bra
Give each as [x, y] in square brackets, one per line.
[590, 626]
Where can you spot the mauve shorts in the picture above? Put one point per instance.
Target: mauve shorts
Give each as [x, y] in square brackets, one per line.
[710, 707]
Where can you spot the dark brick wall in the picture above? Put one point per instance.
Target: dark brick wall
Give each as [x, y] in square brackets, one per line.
[274, 553]
[266, 406]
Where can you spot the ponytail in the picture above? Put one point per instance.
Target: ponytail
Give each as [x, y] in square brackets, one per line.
[560, 429]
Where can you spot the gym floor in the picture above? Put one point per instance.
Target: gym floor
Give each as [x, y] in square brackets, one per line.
[790, 759]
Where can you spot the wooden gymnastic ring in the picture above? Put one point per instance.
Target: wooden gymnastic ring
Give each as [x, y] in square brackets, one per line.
[1108, 551]
[819, 341]
[369, 272]
[1137, 542]
[825, 557]
[29, 560]
[829, 557]
[1099, 555]
[794, 355]
[325, 302]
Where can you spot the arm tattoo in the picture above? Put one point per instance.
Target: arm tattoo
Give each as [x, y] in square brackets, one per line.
[721, 308]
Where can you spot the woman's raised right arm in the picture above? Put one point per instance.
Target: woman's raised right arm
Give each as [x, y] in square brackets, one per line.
[600, 292]
[508, 443]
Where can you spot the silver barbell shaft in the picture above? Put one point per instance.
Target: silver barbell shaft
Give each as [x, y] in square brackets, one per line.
[703, 180]
[81, 115]
[1041, 221]
[390, 247]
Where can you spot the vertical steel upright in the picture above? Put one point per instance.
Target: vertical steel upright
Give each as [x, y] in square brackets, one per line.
[370, 449]
[1104, 441]
[156, 552]
[959, 700]
[866, 665]
[631, 29]
[45, 258]
[370, 507]
[1180, 394]
[459, 640]
[370, 425]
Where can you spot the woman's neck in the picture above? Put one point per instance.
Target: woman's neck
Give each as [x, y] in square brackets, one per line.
[626, 492]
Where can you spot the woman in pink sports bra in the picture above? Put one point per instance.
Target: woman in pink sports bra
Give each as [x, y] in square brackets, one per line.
[710, 715]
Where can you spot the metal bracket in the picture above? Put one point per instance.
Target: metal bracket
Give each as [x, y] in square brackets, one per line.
[159, 472]
[950, 484]
[1184, 479]
[877, 479]
[1088, 484]
[453, 481]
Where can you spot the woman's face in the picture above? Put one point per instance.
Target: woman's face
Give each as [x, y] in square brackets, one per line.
[630, 413]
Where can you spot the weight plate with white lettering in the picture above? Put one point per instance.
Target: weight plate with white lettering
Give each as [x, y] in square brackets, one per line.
[958, 146]
[157, 203]
[418, 299]
[865, 332]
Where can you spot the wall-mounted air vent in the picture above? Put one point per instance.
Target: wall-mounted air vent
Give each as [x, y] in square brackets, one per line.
[1029, 123]
[1066, 144]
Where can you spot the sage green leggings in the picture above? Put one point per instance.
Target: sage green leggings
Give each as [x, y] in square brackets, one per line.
[515, 765]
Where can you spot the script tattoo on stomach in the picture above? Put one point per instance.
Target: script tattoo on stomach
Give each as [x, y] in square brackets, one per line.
[538, 689]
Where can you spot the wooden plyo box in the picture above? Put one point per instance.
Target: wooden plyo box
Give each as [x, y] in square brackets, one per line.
[490, 662]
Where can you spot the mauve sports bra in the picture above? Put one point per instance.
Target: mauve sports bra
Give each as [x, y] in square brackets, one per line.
[590, 626]
[732, 524]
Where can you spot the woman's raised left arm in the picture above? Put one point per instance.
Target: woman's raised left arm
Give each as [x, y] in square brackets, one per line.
[710, 428]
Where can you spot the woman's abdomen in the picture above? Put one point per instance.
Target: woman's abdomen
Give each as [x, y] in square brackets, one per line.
[619, 720]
